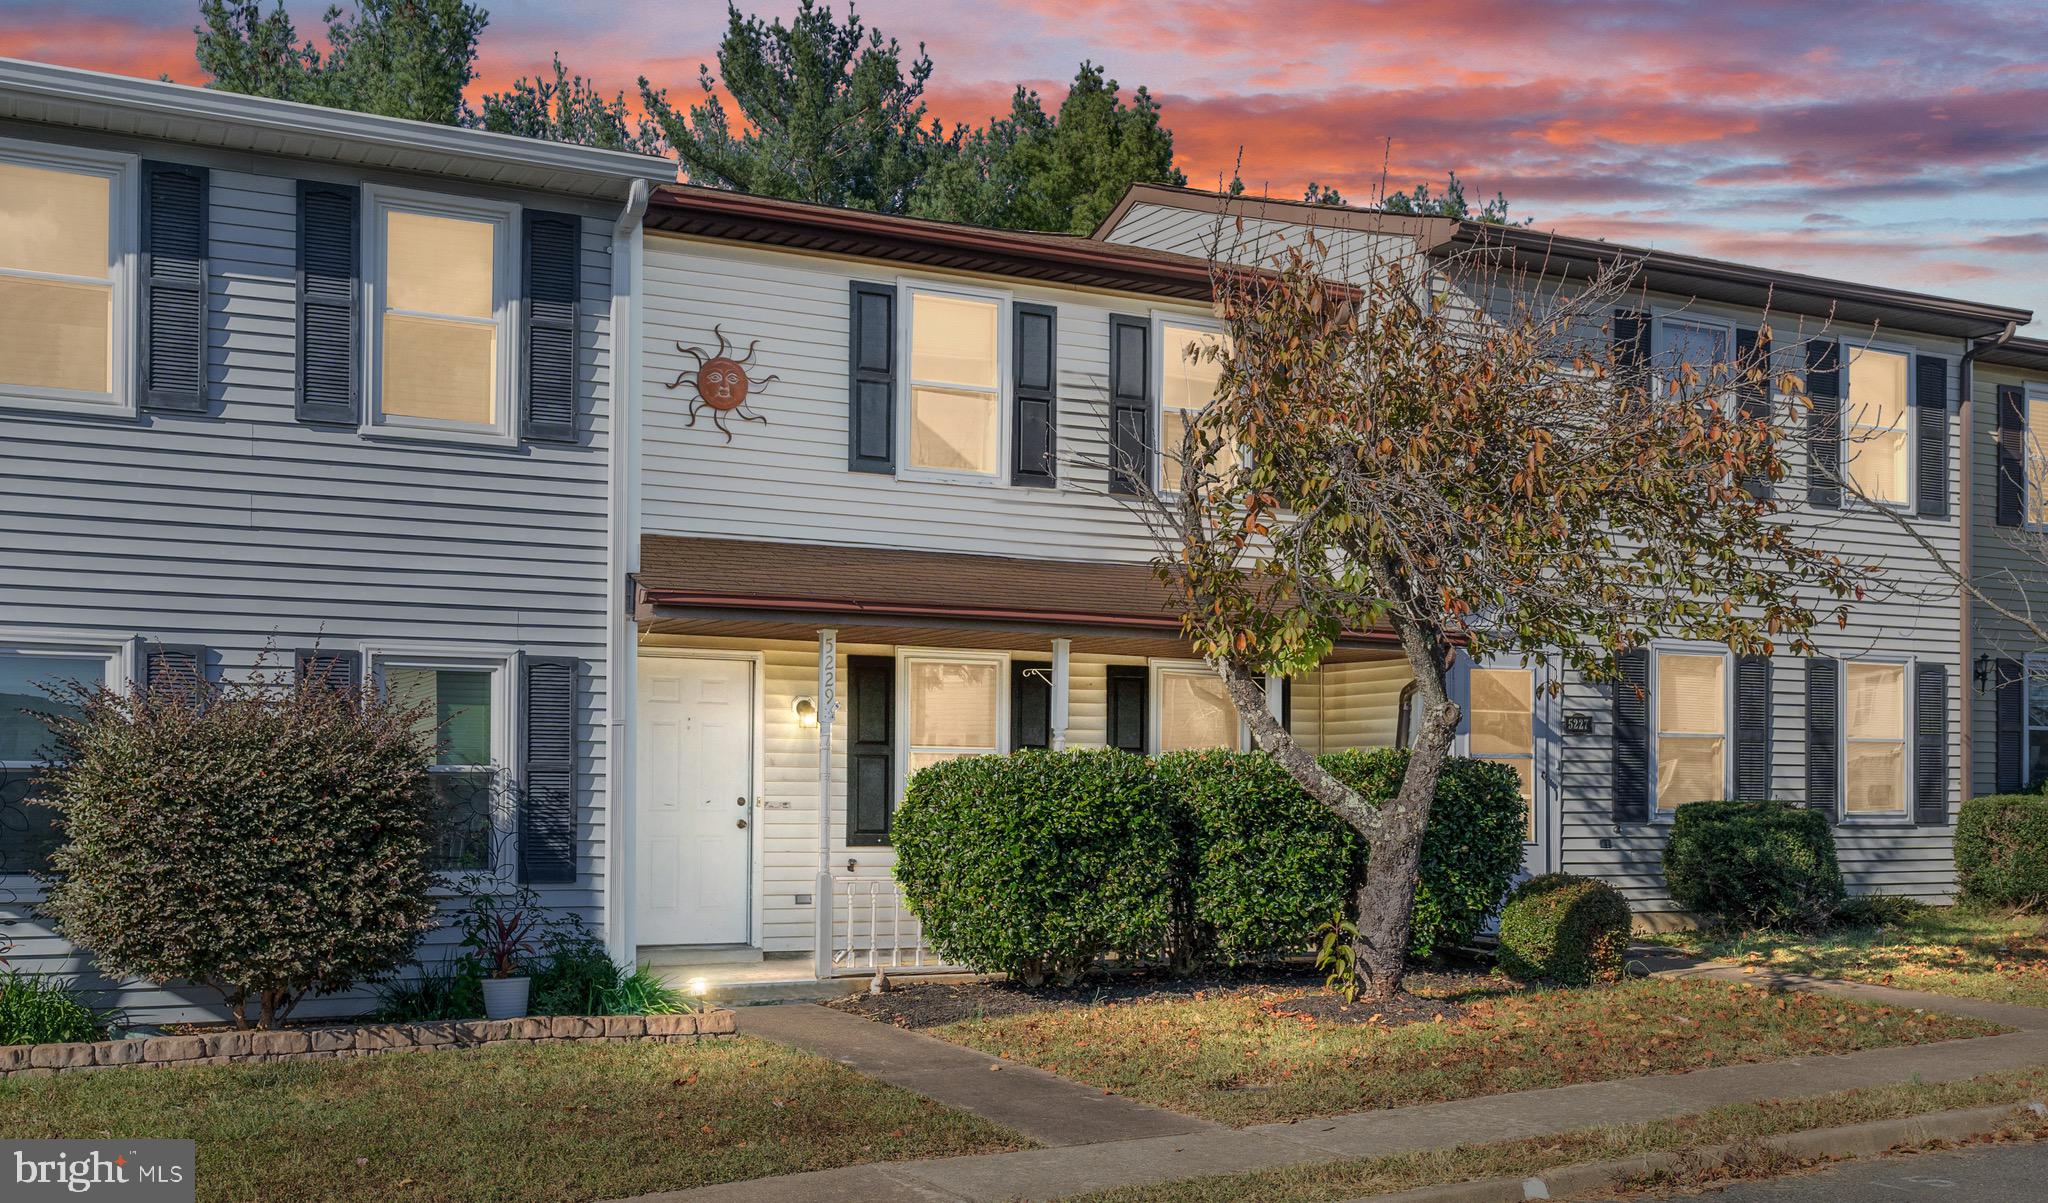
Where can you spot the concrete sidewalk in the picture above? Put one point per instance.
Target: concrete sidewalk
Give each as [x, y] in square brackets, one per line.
[1095, 1141]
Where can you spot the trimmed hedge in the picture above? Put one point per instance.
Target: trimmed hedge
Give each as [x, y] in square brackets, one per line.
[1471, 849]
[1263, 863]
[1754, 864]
[1036, 863]
[2002, 850]
[1561, 928]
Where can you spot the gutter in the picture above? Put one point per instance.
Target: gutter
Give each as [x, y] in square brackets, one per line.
[622, 559]
[1966, 417]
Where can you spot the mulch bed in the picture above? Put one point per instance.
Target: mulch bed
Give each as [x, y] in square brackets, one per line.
[1435, 995]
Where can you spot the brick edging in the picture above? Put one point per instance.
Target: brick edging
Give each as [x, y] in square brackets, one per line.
[311, 1044]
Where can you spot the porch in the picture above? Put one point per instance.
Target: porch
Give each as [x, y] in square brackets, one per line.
[771, 676]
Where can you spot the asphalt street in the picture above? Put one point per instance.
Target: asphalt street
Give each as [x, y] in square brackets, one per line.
[2013, 1173]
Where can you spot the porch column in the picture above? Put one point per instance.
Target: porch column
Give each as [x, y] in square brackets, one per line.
[828, 710]
[1060, 697]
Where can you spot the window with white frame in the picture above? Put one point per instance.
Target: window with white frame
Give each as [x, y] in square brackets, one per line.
[1873, 738]
[1876, 424]
[956, 383]
[1195, 710]
[1695, 353]
[1691, 694]
[459, 708]
[441, 276]
[63, 276]
[1189, 374]
[2035, 481]
[955, 703]
[1503, 729]
[2036, 761]
[38, 683]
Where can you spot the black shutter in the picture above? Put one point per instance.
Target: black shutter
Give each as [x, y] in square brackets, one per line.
[1823, 736]
[174, 670]
[2012, 455]
[1287, 704]
[337, 671]
[871, 368]
[1127, 705]
[1036, 413]
[1753, 391]
[1930, 437]
[1753, 727]
[547, 819]
[554, 282]
[329, 269]
[1823, 424]
[1030, 705]
[1631, 801]
[1632, 350]
[1130, 404]
[870, 749]
[2010, 710]
[174, 204]
[1930, 743]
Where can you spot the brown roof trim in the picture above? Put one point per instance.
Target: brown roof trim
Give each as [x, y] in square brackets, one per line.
[2030, 354]
[1849, 303]
[1054, 258]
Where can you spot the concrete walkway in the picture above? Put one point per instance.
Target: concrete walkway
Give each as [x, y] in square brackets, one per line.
[1095, 1141]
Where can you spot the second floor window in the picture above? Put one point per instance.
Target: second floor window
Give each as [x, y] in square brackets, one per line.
[1188, 381]
[1692, 728]
[1695, 346]
[956, 378]
[1876, 425]
[2034, 486]
[61, 294]
[441, 278]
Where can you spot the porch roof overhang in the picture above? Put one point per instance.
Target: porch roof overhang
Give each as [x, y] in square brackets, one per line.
[762, 589]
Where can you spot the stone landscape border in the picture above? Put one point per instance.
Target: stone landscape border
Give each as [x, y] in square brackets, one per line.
[312, 1044]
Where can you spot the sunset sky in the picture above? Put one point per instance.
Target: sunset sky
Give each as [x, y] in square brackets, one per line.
[1901, 143]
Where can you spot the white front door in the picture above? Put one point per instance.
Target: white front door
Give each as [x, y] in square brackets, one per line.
[696, 789]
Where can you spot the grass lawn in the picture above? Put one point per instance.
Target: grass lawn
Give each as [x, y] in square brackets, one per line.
[547, 1123]
[1735, 1124]
[1241, 1058]
[1973, 954]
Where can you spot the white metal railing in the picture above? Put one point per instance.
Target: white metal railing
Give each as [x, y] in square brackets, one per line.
[873, 928]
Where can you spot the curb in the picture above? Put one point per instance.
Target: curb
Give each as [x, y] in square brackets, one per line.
[1857, 1140]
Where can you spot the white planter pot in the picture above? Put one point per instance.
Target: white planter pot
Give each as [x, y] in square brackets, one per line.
[505, 997]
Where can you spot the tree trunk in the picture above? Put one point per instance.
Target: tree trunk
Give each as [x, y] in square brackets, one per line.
[1386, 898]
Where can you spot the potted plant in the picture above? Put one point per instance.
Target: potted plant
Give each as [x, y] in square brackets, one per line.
[500, 929]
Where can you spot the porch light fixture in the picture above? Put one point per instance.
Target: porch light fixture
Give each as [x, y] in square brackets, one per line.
[806, 710]
[1982, 676]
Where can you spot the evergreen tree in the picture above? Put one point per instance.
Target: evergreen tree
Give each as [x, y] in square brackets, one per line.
[832, 115]
[1035, 171]
[567, 108]
[1450, 202]
[398, 58]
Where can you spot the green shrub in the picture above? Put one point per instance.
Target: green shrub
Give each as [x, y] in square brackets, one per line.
[642, 993]
[2002, 850]
[1754, 864]
[268, 840]
[452, 989]
[36, 1009]
[1263, 863]
[573, 974]
[1471, 850]
[1561, 928]
[1880, 910]
[1036, 863]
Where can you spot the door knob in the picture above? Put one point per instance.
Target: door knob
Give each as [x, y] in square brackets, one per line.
[739, 801]
[739, 823]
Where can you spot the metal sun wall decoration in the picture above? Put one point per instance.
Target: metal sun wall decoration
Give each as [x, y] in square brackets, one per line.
[721, 383]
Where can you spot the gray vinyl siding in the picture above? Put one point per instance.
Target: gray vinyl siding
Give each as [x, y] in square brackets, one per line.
[242, 528]
[2006, 561]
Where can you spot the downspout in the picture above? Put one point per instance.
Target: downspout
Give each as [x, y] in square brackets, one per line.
[1966, 417]
[622, 561]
